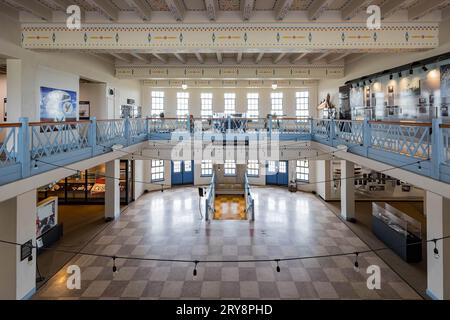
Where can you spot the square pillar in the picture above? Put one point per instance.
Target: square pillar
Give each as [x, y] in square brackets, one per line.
[112, 192]
[347, 190]
[323, 173]
[17, 225]
[438, 226]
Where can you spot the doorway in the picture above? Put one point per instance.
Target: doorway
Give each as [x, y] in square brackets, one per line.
[182, 172]
[277, 173]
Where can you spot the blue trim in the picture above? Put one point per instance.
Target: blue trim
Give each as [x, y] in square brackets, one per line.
[431, 295]
[29, 295]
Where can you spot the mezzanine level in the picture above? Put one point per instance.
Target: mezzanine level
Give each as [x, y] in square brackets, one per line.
[31, 148]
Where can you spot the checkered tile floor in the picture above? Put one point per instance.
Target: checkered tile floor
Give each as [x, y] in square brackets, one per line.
[167, 225]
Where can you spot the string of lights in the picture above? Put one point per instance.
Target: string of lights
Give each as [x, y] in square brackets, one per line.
[277, 261]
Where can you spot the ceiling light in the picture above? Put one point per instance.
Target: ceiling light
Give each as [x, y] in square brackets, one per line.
[424, 68]
[411, 71]
[184, 86]
[391, 77]
[274, 86]
[399, 74]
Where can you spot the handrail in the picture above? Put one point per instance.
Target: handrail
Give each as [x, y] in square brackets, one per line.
[34, 124]
[402, 123]
[104, 120]
[444, 126]
[10, 124]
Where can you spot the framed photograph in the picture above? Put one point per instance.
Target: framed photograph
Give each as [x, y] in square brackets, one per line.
[46, 215]
[58, 105]
[84, 110]
[391, 96]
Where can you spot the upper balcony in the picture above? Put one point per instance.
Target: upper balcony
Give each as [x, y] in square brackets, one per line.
[30, 148]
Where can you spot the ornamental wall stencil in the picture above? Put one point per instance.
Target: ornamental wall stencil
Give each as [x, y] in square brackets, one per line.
[117, 38]
[149, 38]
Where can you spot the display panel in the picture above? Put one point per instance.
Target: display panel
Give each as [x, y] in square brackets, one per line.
[46, 215]
[58, 105]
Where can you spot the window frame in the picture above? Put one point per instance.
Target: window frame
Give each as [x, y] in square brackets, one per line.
[208, 170]
[252, 101]
[229, 165]
[253, 168]
[157, 98]
[302, 104]
[302, 170]
[229, 99]
[182, 104]
[206, 99]
[157, 170]
[276, 100]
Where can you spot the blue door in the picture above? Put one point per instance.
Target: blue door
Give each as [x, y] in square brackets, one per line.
[182, 172]
[277, 173]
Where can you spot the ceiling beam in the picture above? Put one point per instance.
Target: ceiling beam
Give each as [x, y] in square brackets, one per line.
[259, 57]
[160, 57]
[180, 58]
[9, 11]
[106, 8]
[317, 7]
[177, 9]
[320, 56]
[139, 57]
[339, 57]
[199, 58]
[141, 8]
[279, 57]
[299, 57]
[425, 7]
[219, 57]
[212, 9]
[282, 8]
[119, 57]
[101, 56]
[239, 57]
[390, 6]
[353, 8]
[60, 4]
[36, 8]
[247, 9]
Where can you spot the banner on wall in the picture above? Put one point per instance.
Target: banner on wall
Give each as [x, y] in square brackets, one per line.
[46, 215]
[58, 105]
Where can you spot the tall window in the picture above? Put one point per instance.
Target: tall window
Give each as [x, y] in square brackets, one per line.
[282, 168]
[277, 103]
[230, 168]
[207, 168]
[182, 104]
[206, 100]
[187, 166]
[177, 166]
[253, 105]
[230, 103]
[302, 104]
[302, 170]
[157, 170]
[253, 168]
[157, 103]
[271, 166]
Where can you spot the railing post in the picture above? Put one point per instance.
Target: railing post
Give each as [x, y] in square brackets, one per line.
[188, 123]
[367, 136]
[269, 125]
[92, 135]
[311, 126]
[23, 147]
[127, 131]
[332, 132]
[437, 148]
[147, 129]
[253, 209]
[228, 123]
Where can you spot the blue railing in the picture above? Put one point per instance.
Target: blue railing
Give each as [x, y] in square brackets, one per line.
[27, 148]
[249, 201]
[210, 199]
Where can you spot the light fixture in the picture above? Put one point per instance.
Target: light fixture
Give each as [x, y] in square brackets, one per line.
[194, 273]
[274, 86]
[435, 250]
[424, 68]
[411, 71]
[184, 86]
[391, 77]
[356, 264]
[114, 268]
[399, 74]
[278, 265]
[370, 81]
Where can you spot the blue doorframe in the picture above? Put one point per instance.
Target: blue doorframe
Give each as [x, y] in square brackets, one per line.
[277, 173]
[182, 172]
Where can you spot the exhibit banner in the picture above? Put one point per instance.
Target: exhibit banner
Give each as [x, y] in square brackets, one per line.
[58, 105]
[46, 215]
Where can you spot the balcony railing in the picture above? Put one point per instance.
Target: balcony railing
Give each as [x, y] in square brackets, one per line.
[27, 148]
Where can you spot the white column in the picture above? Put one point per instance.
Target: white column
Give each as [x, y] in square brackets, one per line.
[112, 192]
[323, 177]
[438, 267]
[18, 225]
[347, 190]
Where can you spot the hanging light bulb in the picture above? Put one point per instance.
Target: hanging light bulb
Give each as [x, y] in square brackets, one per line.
[194, 273]
[356, 264]
[435, 250]
[278, 265]
[184, 86]
[114, 268]
[274, 86]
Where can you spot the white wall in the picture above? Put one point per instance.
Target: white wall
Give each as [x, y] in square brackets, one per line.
[2, 95]
[170, 106]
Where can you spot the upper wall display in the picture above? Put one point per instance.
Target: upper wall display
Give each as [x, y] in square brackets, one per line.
[58, 105]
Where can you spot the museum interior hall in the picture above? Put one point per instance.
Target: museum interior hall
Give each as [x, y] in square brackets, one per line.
[224, 149]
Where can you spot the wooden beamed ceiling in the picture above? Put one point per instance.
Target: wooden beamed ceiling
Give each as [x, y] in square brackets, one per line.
[213, 59]
[144, 10]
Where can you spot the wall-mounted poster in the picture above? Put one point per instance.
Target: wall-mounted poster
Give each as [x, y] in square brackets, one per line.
[391, 96]
[84, 110]
[47, 215]
[58, 105]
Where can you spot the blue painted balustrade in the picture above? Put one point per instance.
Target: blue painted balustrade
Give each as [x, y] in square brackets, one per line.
[30, 148]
